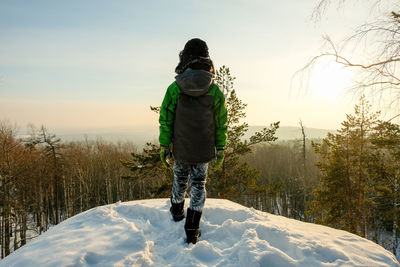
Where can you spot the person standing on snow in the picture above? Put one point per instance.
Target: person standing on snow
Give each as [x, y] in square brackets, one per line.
[193, 120]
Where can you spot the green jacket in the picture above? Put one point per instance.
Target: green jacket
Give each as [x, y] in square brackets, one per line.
[167, 115]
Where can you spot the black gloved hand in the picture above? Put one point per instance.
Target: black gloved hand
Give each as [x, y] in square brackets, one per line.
[164, 154]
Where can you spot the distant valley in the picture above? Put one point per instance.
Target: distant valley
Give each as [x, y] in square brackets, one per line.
[141, 135]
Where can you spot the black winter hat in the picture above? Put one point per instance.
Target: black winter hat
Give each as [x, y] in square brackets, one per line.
[195, 51]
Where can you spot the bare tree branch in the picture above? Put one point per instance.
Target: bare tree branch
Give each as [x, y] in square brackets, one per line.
[377, 66]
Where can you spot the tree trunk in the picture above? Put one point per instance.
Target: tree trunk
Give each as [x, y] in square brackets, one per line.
[17, 222]
[22, 233]
[394, 231]
[223, 193]
[304, 171]
[7, 230]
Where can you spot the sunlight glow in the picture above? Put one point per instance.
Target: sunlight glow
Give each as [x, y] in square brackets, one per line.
[330, 80]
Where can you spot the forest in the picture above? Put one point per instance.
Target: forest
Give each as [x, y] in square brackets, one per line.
[348, 180]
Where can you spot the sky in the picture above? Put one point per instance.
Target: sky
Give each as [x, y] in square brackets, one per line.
[101, 64]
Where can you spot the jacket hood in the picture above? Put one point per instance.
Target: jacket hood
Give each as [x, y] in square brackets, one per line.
[195, 82]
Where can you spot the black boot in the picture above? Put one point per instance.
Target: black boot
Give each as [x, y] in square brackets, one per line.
[177, 211]
[192, 226]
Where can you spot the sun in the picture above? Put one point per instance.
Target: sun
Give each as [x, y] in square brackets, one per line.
[330, 80]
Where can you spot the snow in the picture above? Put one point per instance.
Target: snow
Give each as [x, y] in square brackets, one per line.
[142, 233]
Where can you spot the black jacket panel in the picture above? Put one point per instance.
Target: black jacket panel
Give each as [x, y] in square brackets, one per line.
[194, 129]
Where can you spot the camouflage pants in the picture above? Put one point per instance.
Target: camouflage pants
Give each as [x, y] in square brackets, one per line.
[197, 174]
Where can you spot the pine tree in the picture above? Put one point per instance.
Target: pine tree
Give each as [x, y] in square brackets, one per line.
[342, 199]
[146, 170]
[333, 204]
[236, 178]
[385, 178]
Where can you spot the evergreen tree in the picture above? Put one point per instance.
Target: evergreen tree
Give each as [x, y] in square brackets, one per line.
[148, 173]
[342, 199]
[236, 178]
[385, 178]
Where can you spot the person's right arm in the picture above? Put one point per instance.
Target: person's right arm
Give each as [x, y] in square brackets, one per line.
[167, 115]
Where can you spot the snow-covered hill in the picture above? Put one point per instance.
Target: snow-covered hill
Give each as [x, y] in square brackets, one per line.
[142, 233]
